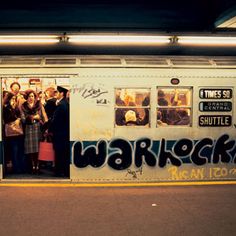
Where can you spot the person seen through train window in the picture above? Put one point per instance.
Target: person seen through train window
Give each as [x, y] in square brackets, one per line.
[14, 145]
[130, 118]
[160, 119]
[175, 101]
[33, 116]
[120, 112]
[130, 102]
[161, 100]
[145, 120]
[173, 115]
[60, 130]
[184, 118]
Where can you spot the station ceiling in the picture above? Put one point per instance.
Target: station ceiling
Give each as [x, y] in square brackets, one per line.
[171, 17]
[113, 15]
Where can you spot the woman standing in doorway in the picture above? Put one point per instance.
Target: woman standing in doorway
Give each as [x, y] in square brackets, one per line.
[33, 116]
[13, 143]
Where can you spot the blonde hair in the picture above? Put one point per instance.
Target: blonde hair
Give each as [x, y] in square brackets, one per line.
[130, 116]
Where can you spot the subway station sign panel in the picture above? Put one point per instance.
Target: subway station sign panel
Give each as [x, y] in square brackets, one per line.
[215, 93]
[213, 106]
[215, 121]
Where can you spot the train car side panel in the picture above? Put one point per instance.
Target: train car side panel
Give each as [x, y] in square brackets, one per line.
[202, 149]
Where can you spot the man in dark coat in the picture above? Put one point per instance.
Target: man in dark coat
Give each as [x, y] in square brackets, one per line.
[60, 130]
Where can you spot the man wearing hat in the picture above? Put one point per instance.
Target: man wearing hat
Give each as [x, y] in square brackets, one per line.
[60, 129]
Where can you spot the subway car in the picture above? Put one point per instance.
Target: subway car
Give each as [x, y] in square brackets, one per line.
[138, 119]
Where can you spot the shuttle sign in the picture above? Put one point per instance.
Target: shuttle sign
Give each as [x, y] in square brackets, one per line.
[215, 121]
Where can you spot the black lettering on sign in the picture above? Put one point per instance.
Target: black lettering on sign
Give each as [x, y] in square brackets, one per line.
[215, 121]
[121, 159]
[215, 106]
[143, 151]
[215, 93]
[222, 146]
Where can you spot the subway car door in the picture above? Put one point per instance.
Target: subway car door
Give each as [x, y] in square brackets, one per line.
[1, 142]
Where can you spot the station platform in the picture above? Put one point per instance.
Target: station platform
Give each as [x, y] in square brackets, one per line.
[134, 211]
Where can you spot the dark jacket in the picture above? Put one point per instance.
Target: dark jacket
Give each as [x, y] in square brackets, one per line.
[60, 125]
[10, 114]
[50, 107]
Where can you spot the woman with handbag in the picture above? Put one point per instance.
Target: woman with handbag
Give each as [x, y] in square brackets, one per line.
[13, 135]
[33, 116]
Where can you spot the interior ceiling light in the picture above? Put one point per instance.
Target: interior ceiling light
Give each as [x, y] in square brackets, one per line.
[28, 39]
[209, 41]
[119, 39]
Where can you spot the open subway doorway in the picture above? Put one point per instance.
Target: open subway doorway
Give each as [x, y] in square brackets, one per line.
[35, 127]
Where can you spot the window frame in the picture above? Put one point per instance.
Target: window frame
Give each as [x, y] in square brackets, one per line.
[148, 125]
[189, 107]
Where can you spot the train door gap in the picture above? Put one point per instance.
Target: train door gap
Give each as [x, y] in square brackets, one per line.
[35, 143]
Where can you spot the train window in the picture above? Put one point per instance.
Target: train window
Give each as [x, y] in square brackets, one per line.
[174, 106]
[132, 107]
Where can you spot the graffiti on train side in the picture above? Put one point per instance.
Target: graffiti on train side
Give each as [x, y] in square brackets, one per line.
[134, 173]
[120, 154]
[201, 173]
[89, 90]
[95, 93]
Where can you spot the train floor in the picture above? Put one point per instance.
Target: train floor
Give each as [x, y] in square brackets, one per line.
[46, 171]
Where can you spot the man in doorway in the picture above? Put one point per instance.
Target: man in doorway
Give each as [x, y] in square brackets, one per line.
[60, 130]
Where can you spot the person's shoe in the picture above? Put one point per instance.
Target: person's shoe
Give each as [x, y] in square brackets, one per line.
[37, 171]
[33, 170]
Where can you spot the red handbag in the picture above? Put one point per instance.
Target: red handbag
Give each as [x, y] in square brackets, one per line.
[46, 152]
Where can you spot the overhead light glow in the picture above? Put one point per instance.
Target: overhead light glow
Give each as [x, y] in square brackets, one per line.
[118, 39]
[210, 41]
[28, 39]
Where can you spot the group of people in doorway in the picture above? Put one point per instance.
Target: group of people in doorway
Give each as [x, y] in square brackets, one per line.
[34, 117]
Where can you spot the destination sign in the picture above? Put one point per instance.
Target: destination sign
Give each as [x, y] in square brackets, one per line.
[215, 106]
[216, 93]
[214, 121]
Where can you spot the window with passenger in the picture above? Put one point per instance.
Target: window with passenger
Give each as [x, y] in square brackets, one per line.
[174, 106]
[132, 106]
